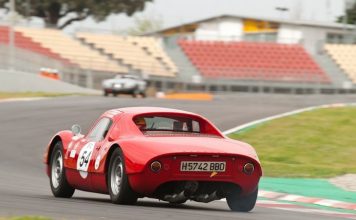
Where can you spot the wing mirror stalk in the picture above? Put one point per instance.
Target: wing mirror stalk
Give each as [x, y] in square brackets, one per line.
[76, 129]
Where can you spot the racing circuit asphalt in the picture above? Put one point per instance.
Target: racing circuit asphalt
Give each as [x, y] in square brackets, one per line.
[26, 128]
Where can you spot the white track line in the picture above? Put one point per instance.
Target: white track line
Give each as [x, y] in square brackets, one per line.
[327, 202]
[290, 198]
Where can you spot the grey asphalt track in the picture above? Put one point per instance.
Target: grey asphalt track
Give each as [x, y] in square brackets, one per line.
[26, 128]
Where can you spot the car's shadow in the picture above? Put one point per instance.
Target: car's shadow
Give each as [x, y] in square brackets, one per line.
[158, 204]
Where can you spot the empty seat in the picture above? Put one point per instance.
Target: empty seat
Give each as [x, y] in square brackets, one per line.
[253, 61]
[131, 51]
[72, 50]
[153, 47]
[344, 55]
[28, 43]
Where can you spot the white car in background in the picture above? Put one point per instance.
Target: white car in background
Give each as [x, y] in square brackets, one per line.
[125, 84]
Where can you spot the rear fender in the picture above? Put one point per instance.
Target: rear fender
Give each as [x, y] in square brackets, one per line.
[133, 162]
[65, 137]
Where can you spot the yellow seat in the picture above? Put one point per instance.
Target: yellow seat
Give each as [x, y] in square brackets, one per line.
[130, 52]
[72, 50]
[344, 55]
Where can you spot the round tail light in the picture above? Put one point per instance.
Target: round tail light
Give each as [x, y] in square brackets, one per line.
[156, 166]
[249, 168]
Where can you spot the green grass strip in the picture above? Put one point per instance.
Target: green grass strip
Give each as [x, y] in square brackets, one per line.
[314, 144]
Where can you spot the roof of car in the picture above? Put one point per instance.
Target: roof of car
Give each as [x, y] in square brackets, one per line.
[142, 110]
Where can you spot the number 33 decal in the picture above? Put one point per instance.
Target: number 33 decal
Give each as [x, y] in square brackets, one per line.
[85, 156]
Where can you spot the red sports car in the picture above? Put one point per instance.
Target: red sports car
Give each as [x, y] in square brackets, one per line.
[161, 153]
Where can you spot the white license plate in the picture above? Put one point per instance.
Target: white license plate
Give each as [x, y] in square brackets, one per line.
[202, 166]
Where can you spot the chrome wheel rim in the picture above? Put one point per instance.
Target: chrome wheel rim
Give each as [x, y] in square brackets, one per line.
[57, 169]
[116, 176]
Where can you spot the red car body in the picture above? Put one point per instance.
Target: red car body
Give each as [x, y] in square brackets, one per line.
[141, 150]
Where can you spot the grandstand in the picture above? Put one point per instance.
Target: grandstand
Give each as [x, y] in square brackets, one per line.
[72, 50]
[153, 47]
[250, 52]
[27, 43]
[27, 55]
[142, 54]
[253, 61]
[223, 53]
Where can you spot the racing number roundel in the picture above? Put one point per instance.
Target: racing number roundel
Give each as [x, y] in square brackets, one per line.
[83, 159]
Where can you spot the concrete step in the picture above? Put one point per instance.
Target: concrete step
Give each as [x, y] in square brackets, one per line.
[130, 68]
[337, 76]
[186, 70]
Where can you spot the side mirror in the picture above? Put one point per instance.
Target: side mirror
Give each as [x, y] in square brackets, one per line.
[76, 129]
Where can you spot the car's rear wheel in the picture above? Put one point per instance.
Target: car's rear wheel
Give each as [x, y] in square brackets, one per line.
[242, 203]
[58, 181]
[135, 93]
[118, 183]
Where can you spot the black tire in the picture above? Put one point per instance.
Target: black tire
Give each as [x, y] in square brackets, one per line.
[242, 204]
[58, 181]
[135, 94]
[143, 94]
[106, 93]
[122, 194]
[114, 94]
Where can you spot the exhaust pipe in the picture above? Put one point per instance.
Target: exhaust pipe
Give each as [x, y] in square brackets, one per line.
[174, 198]
[207, 197]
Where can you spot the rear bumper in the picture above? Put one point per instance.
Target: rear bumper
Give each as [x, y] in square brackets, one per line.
[147, 182]
[122, 90]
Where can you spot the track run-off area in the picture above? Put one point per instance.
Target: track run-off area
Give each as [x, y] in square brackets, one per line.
[27, 126]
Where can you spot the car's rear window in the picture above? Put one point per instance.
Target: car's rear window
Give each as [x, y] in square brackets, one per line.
[154, 124]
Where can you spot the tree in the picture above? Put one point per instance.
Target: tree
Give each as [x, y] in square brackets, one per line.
[145, 24]
[350, 13]
[73, 10]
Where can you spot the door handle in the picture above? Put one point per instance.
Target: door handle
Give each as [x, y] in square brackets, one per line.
[98, 147]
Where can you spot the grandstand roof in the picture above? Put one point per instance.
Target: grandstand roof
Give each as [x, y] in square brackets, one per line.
[191, 25]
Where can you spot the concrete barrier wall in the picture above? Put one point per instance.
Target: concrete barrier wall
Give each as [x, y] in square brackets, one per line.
[18, 81]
